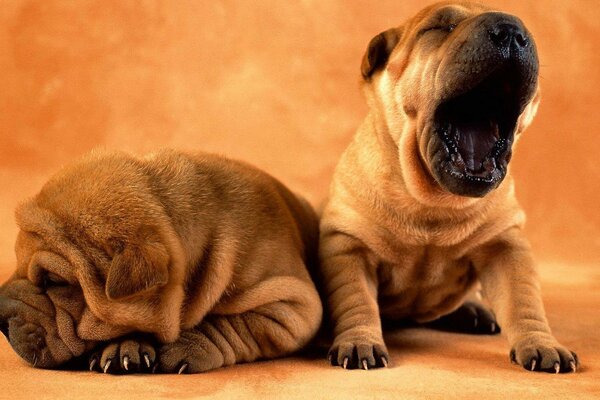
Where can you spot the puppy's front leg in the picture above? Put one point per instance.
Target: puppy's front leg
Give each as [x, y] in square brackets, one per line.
[510, 282]
[349, 275]
[270, 330]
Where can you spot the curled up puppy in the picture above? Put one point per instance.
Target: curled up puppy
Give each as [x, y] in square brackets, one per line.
[172, 262]
[422, 206]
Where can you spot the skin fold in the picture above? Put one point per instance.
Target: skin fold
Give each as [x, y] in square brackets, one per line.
[401, 237]
[171, 262]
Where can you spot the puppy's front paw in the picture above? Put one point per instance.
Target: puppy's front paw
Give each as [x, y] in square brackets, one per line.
[543, 353]
[358, 354]
[191, 353]
[124, 357]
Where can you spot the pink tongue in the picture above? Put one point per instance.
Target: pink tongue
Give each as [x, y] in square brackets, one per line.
[475, 140]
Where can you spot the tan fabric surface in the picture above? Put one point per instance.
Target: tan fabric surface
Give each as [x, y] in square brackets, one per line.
[276, 83]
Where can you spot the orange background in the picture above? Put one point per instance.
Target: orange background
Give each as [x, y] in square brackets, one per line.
[275, 83]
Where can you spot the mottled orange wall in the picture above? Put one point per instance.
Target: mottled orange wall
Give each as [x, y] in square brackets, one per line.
[274, 83]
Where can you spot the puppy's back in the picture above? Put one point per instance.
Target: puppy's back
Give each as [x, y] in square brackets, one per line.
[219, 190]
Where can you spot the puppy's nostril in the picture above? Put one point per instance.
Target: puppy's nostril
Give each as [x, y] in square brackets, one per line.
[505, 35]
[500, 37]
[521, 40]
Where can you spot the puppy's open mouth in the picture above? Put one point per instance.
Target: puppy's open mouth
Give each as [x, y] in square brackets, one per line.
[477, 128]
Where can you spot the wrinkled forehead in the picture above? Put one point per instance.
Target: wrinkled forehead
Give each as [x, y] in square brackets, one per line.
[34, 223]
[39, 246]
[437, 15]
[446, 13]
[36, 257]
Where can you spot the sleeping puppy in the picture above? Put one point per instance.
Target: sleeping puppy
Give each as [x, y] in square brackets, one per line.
[195, 259]
[422, 206]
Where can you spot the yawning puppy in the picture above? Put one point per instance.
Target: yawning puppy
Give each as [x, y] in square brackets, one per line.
[422, 205]
[206, 256]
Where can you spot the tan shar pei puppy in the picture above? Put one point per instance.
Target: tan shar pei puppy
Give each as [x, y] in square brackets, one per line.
[175, 262]
[422, 207]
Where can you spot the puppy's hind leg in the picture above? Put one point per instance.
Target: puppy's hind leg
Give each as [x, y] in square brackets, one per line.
[471, 317]
[269, 330]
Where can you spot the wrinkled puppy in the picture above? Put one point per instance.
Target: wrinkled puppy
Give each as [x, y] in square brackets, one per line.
[422, 206]
[206, 255]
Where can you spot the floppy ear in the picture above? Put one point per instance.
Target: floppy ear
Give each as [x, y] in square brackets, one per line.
[378, 52]
[138, 268]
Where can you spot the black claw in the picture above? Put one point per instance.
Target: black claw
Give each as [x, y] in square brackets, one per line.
[93, 362]
[573, 366]
[365, 364]
[332, 357]
[576, 358]
[345, 363]
[513, 356]
[532, 364]
[107, 366]
[183, 368]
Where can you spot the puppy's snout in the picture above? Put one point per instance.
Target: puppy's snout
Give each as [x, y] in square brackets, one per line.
[507, 34]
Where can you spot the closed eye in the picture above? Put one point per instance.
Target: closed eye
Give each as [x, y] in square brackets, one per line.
[52, 280]
[445, 28]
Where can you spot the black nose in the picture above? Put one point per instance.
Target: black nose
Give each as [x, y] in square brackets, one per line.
[507, 34]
